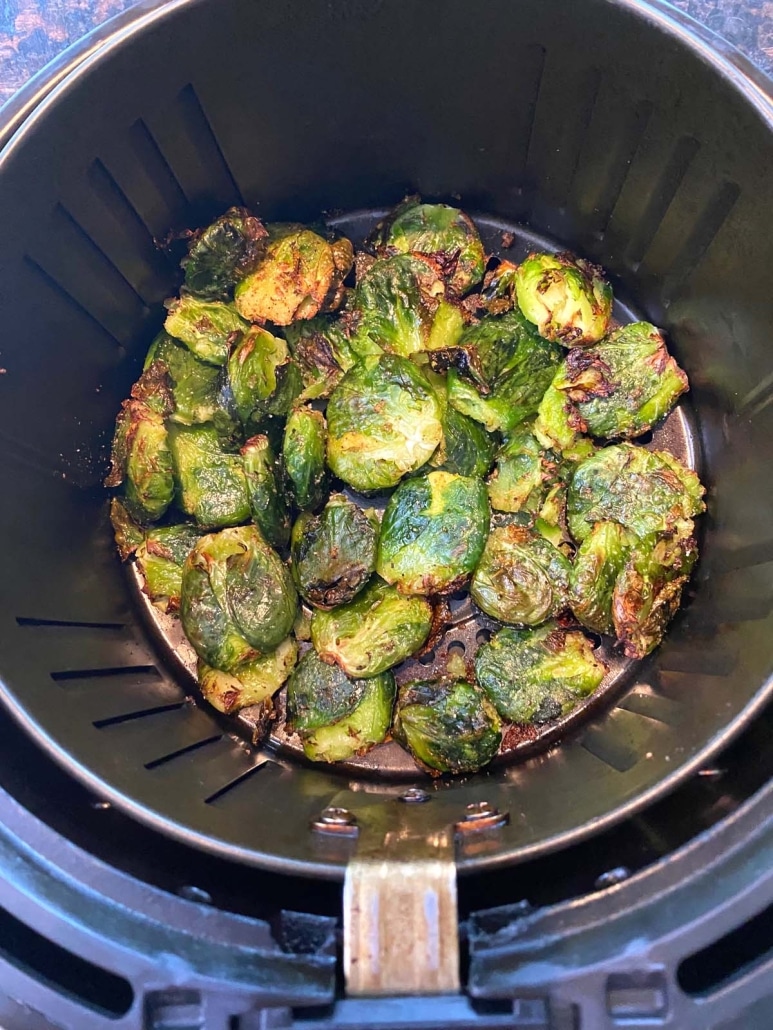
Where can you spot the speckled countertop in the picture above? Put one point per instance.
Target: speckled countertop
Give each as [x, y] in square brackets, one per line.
[32, 32]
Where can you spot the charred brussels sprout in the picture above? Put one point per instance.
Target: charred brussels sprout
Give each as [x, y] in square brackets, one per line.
[238, 599]
[566, 297]
[645, 491]
[251, 683]
[521, 578]
[304, 456]
[489, 348]
[195, 385]
[141, 461]
[398, 307]
[337, 717]
[322, 352]
[128, 534]
[439, 231]
[623, 385]
[208, 329]
[597, 564]
[534, 675]
[262, 378]
[212, 486]
[524, 473]
[516, 393]
[300, 275]
[267, 499]
[334, 553]
[649, 589]
[433, 533]
[223, 253]
[384, 420]
[161, 556]
[374, 632]
[498, 293]
[450, 727]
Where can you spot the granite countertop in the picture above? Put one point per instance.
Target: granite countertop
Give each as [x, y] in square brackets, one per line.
[32, 32]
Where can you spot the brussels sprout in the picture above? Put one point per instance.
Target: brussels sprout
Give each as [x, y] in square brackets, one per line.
[304, 456]
[524, 473]
[334, 553]
[141, 461]
[534, 675]
[251, 683]
[465, 448]
[267, 498]
[521, 578]
[374, 632]
[566, 297]
[195, 385]
[397, 307]
[161, 556]
[223, 253]
[238, 599]
[337, 717]
[597, 564]
[491, 347]
[645, 491]
[439, 231]
[300, 275]
[263, 379]
[649, 589]
[212, 486]
[623, 385]
[208, 329]
[498, 293]
[558, 422]
[451, 727]
[384, 420]
[128, 535]
[516, 394]
[322, 353]
[433, 533]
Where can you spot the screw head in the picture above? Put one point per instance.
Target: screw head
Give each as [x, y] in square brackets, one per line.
[337, 817]
[612, 877]
[480, 810]
[414, 796]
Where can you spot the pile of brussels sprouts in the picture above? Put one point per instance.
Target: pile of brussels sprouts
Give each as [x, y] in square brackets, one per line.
[489, 405]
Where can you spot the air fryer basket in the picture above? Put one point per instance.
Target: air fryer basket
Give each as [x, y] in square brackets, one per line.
[592, 123]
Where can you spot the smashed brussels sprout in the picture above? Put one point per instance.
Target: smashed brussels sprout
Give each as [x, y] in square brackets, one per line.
[534, 675]
[645, 491]
[449, 727]
[223, 253]
[322, 352]
[465, 447]
[522, 578]
[622, 386]
[195, 386]
[567, 298]
[209, 329]
[597, 564]
[251, 683]
[300, 274]
[334, 553]
[268, 503]
[211, 483]
[161, 556]
[524, 473]
[337, 717]
[398, 307]
[238, 600]
[384, 420]
[374, 632]
[433, 533]
[304, 457]
[261, 377]
[441, 232]
[141, 461]
[648, 591]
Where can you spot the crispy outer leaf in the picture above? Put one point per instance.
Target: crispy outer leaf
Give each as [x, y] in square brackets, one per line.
[208, 328]
[597, 564]
[141, 461]
[303, 453]
[195, 385]
[223, 253]
[251, 683]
